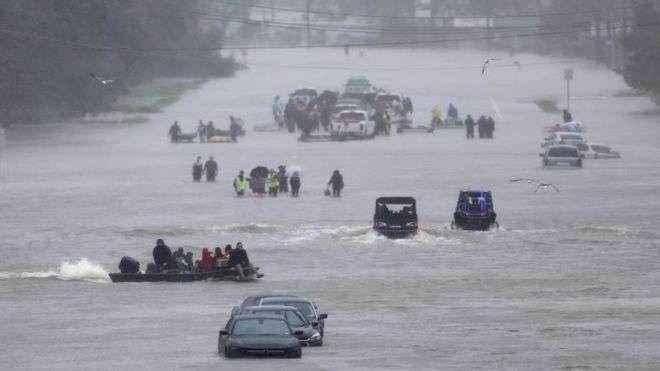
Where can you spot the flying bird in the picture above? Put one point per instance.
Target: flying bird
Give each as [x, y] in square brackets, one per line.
[102, 81]
[483, 68]
[528, 180]
[546, 186]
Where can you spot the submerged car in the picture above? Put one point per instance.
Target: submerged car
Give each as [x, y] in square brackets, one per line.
[265, 335]
[297, 320]
[474, 211]
[353, 124]
[395, 217]
[562, 156]
[597, 150]
[305, 305]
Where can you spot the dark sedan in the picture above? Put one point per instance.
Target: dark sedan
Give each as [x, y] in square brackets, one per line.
[297, 320]
[259, 335]
[256, 300]
[305, 305]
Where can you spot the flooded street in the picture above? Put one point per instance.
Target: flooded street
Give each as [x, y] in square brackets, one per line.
[571, 280]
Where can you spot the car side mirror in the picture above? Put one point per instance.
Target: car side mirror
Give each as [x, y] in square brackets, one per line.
[541, 155]
[323, 316]
[224, 332]
[298, 333]
[315, 324]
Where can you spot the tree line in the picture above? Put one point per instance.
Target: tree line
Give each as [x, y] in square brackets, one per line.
[49, 48]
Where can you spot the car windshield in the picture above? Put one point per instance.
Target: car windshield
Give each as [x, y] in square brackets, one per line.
[260, 326]
[294, 319]
[383, 209]
[306, 308]
[563, 152]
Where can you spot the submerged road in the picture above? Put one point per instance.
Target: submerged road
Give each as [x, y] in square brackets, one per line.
[570, 281]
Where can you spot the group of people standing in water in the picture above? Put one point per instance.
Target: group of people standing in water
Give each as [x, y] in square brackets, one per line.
[210, 168]
[485, 127]
[265, 181]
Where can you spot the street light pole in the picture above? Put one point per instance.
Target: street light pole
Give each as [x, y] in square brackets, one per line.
[568, 76]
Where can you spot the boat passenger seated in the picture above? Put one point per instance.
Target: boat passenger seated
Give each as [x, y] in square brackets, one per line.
[206, 264]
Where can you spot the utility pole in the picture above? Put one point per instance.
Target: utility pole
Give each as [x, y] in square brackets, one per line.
[309, 31]
[568, 76]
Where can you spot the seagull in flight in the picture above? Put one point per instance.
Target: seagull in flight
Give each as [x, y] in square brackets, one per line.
[546, 186]
[102, 81]
[483, 68]
[539, 184]
[528, 180]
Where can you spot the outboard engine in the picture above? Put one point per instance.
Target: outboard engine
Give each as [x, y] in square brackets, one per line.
[129, 265]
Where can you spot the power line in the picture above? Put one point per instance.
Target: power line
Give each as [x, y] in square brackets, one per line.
[75, 45]
[335, 14]
[436, 68]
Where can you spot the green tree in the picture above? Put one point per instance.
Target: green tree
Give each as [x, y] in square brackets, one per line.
[642, 45]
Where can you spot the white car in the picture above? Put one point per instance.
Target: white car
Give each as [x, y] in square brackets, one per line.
[562, 156]
[352, 124]
[597, 150]
[562, 137]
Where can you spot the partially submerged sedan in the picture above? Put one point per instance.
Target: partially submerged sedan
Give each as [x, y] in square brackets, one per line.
[297, 320]
[562, 156]
[305, 305]
[597, 150]
[265, 335]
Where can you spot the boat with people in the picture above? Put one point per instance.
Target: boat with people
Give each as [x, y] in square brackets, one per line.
[233, 264]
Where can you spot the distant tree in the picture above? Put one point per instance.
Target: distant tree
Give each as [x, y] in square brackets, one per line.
[48, 48]
[642, 45]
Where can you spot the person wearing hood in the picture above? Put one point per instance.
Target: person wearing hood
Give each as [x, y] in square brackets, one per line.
[162, 255]
[295, 184]
[240, 184]
[337, 183]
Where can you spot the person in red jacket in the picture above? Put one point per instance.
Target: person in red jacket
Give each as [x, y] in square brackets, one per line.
[207, 260]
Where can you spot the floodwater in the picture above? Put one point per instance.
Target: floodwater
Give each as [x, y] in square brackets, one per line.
[571, 280]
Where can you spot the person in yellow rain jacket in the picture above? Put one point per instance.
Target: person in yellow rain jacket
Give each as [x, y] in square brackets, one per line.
[273, 183]
[436, 116]
[240, 184]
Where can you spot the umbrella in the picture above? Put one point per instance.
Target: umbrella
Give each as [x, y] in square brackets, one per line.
[293, 169]
[259, 172]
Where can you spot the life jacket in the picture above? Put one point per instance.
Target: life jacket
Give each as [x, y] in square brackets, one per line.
[240, 185]
[273, 182]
